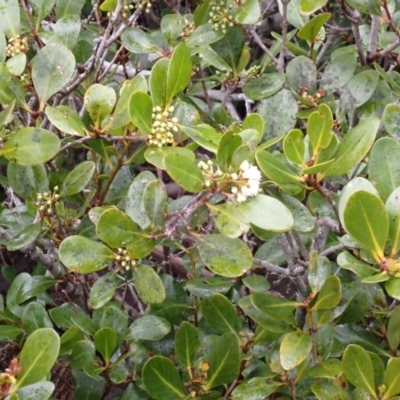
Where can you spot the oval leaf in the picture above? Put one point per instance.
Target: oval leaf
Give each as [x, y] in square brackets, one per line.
[294, 349]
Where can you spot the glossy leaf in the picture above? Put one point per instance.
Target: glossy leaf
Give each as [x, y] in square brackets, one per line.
[187, 344]
[78, 178]
[312, 28]
[353, 148]
[105, 341]
[178, 73]
[255, 389]
[249, 12]
[36, 391]
[294, 348]
[366, 220]
[66, 120]
[273, 307]
[138, 42]
[52, 68]
[203, 135]
[224, 361]
[116, 229]
[392, 378]
[148, 327]
[227, 146]
[347, 261]
[99, 101]
[319, 128]
[84, 255]
[223, 255]
[31, 146]
[24, 237]
[267, 213]
[264, 86]
[184, 171]
[294, 147]
[357, 368]
[392, 209]
[157, 82]
[35, 317]
[148, 284]
[155, 203]
[161, 379]
[140, 111]
[37, 356]
[9, 17]
[329, 295]
[383, 166]
[103, 290]
[301, 72]
[309, 6]
[220, 314]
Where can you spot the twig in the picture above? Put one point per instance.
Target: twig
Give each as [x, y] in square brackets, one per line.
[332, 249]
[271, 267]
[373, 41]
[258, 40]
[281, 61]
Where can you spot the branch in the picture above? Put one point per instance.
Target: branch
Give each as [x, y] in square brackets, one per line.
[258, 40]
[281, 61]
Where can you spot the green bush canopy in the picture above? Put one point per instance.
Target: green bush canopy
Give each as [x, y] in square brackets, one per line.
[200, 199]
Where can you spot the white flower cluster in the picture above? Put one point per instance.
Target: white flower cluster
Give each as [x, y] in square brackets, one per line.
[143, 5]
[16, 45]
[220, 16]
[208, 172]
[163, 126]
[187, 30]
[45, 202]
[247, 183]
[122, 258]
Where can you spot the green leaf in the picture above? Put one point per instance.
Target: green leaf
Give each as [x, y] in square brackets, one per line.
[346, 261]
[99, 102]
[359, 89]
[224, 361]
[35, 317]
[254, 389]
[37, 357]
[230, 47]
[338, 72]
[294, 147]
[16, 64]
[84, 323]
[205, 287]
[274, 169]
[319, 269]
[319, 128]
[134, 206]
[184, 171]
[228, 221]
[11, 88]
[264, 86]
[178, 73]
[391, 121]
[37, 391]
[328, 391]
[158, 82]
[66, 120]
[366, 220]
[220, 314]
[330, 368]
[249, 12]
[31, 146]
[273, 307]
[392, 286]
[329, 295]
[267, 213]
[148, 327]
[105, 342]
[41, 9]
[204, 135]
[78, 178]
[301, 73]
[64, 7]
[83, 353]
[392, 378]
[393, 329]
[227, 146]
[24, 237]
[353, 148]
[10, 332]
[155, 155]
[392, 209]
[312, 28]
[256, 283]
[67, 28]
[140, 111]
[148, 284]
[161, 379]
[52, 68]
[138, 42]
[9, 17]
[357, 368]
[155, 202]
[366, 6]
[84, 254]
[294, 348]
[187, 344]
[118, 230]
[309, 6]
[383, 165]
[203, 35]
[223, 255]
[103, 290]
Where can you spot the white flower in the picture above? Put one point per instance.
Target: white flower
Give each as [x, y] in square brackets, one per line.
[245, 165]
[248, 182]
[241, 198]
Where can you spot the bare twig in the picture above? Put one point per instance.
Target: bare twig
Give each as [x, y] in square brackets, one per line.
[281, 61]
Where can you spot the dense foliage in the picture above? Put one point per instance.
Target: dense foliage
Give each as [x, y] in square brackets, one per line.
[200, 199]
